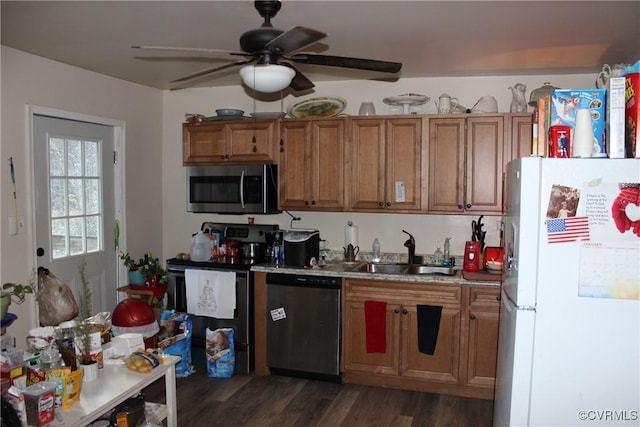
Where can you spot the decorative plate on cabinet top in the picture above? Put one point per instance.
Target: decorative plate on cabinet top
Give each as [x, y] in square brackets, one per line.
[407, 98]
[323, 106]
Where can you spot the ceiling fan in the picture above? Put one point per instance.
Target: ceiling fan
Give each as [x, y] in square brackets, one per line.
[270, 55]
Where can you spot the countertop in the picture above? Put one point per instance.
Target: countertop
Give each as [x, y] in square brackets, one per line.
[339, 269]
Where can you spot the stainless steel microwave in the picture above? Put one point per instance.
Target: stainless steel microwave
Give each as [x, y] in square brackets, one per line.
[233, 189]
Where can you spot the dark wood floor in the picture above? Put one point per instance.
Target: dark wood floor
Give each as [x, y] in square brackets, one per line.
[285, 401]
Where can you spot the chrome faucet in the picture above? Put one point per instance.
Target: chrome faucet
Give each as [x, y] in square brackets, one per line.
[411, 245]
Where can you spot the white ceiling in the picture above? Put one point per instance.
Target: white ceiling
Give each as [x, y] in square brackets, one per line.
[431, 38]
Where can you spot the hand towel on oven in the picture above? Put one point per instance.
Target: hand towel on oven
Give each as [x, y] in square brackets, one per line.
[375, 323]
[211, 293]
[428, 327]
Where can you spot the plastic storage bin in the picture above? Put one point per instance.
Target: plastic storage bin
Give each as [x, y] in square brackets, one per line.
[39, 403]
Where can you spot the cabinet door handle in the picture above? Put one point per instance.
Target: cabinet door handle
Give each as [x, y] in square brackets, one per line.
[380, 204]
[472, 317]
[306, 202]
[460, 207]
[388, 204]
[313, 202]
[468, 206]
[499, 298]
[222, 157]
[396, 311]
[404, 311]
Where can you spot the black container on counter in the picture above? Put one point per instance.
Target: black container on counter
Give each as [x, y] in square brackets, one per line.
[300, 245]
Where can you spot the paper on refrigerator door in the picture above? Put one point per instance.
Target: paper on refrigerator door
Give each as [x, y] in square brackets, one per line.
[400, 198]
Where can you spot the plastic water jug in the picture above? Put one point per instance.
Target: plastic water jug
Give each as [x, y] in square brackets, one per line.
[200, 247]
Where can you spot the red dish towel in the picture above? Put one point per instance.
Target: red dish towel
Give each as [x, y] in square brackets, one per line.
[375, 318]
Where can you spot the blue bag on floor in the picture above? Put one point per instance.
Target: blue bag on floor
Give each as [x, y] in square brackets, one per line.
[175, 339]
[220, 353]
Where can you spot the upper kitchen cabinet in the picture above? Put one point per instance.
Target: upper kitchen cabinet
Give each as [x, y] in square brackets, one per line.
[521, 134]
[240, 141]
[311, 166]
[386, 164]
[466, 161]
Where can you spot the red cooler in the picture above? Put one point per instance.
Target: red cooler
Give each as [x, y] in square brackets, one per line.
[133, 315]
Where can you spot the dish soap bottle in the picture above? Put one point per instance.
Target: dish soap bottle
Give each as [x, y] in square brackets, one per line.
[437, 256]
[447, 253]
[375, 249]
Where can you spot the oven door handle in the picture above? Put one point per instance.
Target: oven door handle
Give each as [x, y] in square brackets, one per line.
[242, 189]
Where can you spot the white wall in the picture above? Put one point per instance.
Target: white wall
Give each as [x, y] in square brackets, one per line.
[428, 230]
[32, 80]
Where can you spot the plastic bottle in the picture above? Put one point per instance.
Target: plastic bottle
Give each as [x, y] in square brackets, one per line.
[447, 252]
[437, 256]
[375, 249]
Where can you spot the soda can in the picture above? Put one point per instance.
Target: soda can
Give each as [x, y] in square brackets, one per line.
[559, 137]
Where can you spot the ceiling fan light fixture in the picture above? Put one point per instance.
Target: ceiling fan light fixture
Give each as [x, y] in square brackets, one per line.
[267, 78]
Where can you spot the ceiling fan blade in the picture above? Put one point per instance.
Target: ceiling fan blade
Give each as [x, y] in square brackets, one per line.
[346, 62]
[190, 49]
[210, 71]
[295, 39]
[299, 82]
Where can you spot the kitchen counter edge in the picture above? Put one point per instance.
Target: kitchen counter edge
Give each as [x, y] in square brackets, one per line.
[338, 270]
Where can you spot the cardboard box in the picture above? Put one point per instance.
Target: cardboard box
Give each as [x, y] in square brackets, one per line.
[566, 102]
[615, 118]
[632, 110]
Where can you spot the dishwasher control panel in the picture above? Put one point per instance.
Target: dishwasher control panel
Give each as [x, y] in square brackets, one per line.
[303, 280]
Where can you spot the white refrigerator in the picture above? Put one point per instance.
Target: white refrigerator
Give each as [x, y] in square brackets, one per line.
[569, 346]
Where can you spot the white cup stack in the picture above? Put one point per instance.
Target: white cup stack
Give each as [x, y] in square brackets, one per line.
[583, 135]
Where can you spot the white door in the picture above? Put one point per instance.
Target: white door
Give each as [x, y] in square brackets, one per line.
[74, 187]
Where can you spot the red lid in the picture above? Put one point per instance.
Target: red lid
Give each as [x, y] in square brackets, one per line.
[132, 312]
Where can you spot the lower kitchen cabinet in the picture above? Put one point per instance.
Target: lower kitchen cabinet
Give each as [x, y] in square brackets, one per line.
[464, 360]
[482, 315]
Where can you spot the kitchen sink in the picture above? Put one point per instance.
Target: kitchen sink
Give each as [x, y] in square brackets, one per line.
[431, 269]
[381, 268]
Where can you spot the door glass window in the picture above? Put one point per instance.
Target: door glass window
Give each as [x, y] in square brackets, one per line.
[75, 180]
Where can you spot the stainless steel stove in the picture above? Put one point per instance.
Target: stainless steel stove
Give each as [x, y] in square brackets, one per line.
[242, 321]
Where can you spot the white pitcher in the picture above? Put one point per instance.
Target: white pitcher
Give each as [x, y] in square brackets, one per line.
[446, 104]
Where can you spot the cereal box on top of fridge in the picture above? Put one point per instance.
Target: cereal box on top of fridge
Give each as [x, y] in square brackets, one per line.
[566, 102]
[632, 110]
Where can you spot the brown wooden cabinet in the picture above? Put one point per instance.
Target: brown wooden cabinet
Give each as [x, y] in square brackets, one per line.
[482, 315]
[466, 162]
[402, 365]
[521, 136]
[311, 172]
[240, 141]
[464, 362]
[386, 164]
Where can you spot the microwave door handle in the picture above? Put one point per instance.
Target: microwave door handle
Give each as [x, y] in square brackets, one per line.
[242, 189]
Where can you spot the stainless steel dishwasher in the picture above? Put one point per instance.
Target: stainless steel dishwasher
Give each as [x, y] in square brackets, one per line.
[303, 326]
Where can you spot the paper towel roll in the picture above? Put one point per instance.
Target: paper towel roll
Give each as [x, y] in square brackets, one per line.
[351, 236]
[582, 135]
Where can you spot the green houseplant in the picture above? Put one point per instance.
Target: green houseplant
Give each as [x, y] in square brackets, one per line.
[84, 329]
[13, 292]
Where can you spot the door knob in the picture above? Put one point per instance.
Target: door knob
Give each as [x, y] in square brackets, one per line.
[40, 252]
